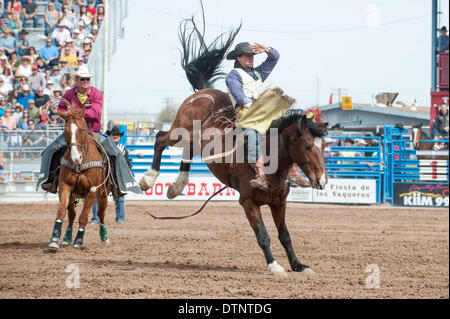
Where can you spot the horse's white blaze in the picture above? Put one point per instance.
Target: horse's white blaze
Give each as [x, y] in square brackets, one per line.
[149, 179]
[318, 142]
[74, 154]
[323, 180]
[415, 135]
[276, 269]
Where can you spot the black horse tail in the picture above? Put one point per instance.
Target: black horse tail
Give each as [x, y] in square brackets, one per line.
[200, 61]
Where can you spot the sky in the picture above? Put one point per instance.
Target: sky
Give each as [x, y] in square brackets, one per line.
[365, 47]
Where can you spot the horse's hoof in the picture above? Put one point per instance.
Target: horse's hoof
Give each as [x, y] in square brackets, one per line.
[148, 179]
[106, 242]
[65, 243]
[53, 245]
[276, 270]
[76, 246]
[304, 269]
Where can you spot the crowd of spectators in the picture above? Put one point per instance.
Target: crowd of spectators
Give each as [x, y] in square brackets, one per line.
[29, 76]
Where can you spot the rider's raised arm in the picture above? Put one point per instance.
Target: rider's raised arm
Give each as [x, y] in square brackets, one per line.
[269, 64]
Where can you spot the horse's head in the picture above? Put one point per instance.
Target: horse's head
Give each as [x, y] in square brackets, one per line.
[416, 134]
[305, 146]
[75, 132]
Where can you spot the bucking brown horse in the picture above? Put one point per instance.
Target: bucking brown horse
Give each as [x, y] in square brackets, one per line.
[298, 139]
[83, 174]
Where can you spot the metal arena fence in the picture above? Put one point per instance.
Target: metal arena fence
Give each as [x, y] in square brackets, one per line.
[21, 163]
[388, 169]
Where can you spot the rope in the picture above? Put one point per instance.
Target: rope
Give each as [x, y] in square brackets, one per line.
[201, 208]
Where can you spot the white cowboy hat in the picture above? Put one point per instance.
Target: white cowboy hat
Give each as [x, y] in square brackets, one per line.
[25, 87]
[69, 40]
[83, 72]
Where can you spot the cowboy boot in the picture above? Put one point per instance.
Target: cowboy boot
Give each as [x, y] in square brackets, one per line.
[296, 179]
[259, 181]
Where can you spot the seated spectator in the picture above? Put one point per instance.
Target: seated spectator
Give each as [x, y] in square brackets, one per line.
[24, 68]
[52, 16]
[8, 43]
[68, 18]
[34, 138]
[33, 110]
[14, 140]
[100, 16]
[15, 6]
[2, 8]
[85, 16]
[32, 54]
[84, 30]
[94, 32]
[67, 82]
[18, 112]
[25, 96]
[87, 54]
[14, 61]
[16, 25]
[21, 81]
[80, 61]
[41, 66]
[2, 105]
[22, 123]
[56, 76]
[57, 92]
[442, 41]
[53, 116]
[4, 90]
[68, 48]
[60, 34]
[347, 143]
[49, 53]
[3, 23]
[77, 40]
[41, 98]
[36, 80]
[29, 12]
[8, 121]
[91, 8]
[22, 44]
[12, 98]
[49, 88]
[57, 4]
[440, 125]
[70, 59]
[4, 63]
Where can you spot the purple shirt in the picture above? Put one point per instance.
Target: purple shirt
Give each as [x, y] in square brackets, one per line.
[94, 105]
[234, 81]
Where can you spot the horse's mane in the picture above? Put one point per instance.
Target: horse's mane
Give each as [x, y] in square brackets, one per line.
[296, 116]
[200, 61]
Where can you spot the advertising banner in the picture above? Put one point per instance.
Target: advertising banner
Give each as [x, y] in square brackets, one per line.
[421, 195]
[346, 191]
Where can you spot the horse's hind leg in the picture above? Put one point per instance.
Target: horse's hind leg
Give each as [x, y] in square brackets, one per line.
[278, 214]
[149, 178]
[253, 213]
[177, 187]
[64, 194]
[83, 219]
[72, 213]
[102, 201]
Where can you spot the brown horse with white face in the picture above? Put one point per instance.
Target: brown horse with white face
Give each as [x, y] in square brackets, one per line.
[83, 174]
[417, 135]
[296, 138]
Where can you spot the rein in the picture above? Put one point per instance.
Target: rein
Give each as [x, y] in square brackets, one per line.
[201, 208]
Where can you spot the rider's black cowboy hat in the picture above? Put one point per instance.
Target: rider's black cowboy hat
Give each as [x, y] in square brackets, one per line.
[241, 48]
[444, 28]
[114, 131]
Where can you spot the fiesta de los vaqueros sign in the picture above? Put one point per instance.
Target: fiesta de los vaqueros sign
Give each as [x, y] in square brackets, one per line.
[420, 195]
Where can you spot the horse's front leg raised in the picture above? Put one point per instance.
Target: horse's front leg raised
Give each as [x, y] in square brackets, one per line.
[64, 194]
[83, 219]
[278, 214]
[177, 187]
[150, 176]
[253, 213]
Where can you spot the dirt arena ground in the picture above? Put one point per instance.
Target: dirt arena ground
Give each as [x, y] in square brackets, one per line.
[215, 254]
